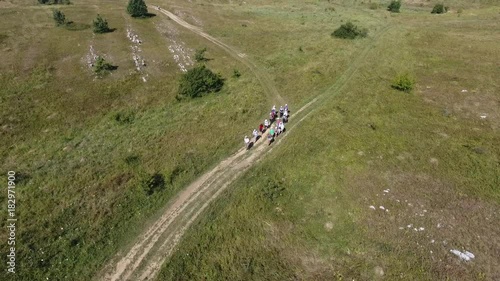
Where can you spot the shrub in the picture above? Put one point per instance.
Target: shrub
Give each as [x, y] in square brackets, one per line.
[198, 81]
[394, 6]
[137, 8]
[153, 183]
[199, 55]
[404, 83]
[439, 9]
[124, 117]
[373, 6]
[349, 31]
[100, 25]
[59, 17]
[102, 67]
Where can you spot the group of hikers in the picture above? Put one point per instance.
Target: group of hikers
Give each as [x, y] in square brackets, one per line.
[279, 117]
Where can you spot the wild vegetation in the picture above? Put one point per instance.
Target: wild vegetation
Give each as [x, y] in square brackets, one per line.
[403, 82]
[394, 6]
[137, 8]
[100, 25]
[439, 9]
[98, 159]
[199, 81]
[349, 31]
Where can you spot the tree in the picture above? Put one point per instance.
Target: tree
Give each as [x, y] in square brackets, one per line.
[102, 67]
[100, 25]
[59, 17]
[349, 31]
[394, 6]
[198, 81]
[137, 8]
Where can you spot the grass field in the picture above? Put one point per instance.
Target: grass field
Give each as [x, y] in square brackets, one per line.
[82, 147]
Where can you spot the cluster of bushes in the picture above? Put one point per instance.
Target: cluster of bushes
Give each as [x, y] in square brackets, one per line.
[349, 31]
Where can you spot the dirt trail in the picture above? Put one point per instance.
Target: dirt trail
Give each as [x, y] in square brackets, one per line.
[143, 261]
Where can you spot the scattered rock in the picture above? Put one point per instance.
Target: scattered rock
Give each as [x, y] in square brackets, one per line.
[379, 271]
[329, 226]
[466, 256]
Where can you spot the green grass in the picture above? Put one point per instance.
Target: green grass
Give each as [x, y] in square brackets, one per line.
[81, 199]
[84, 146]
[303, 211]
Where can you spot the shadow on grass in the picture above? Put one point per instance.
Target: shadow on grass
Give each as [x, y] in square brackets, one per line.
[76, 26]
[110, 30]
[148, 15]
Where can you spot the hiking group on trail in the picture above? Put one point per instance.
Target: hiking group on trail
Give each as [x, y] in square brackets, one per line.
[278, 117]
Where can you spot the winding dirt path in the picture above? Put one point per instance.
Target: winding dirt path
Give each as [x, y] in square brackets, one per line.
[145, 258]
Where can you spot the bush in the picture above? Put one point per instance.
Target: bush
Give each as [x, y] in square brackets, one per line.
[349, 31]
[153, 183]
[394, 6]
[137, 8]
[59, 17]
[236, 73]
[199, 56]
[373, 6]
[198, 81]
[404, 83]
[439, 9]
[102, 67]
[100, 25]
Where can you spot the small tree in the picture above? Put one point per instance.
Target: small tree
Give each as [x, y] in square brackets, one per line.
[59, 17]
[137, 8]
[198, 81]
[439, 9]
[199, 56]
[349, 31]
[394, 6]
[404, 83]
[100, 25]
[102, 67]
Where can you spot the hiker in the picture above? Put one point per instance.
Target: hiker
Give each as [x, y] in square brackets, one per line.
[266, 123]
[281, 111]
[286, 108]
[247, 142]
[285, 116]
[261, 128]
[273, 110]
[270, 137]
[272, 115]
[282, 127]
[256, 134]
